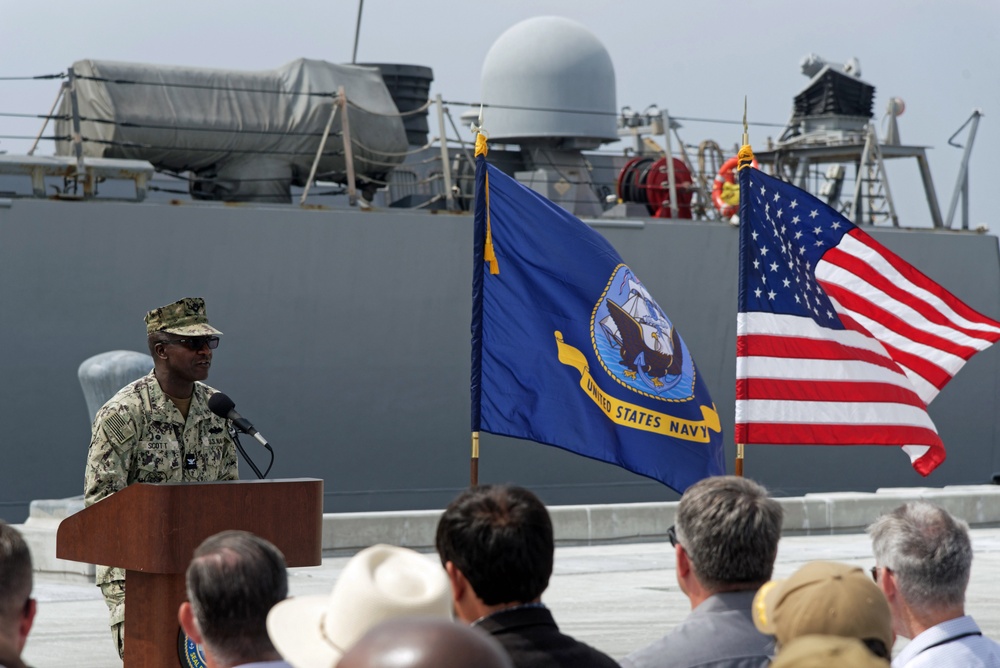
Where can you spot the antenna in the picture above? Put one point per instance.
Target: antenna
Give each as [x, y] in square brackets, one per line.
[357, 31]
[746, 134]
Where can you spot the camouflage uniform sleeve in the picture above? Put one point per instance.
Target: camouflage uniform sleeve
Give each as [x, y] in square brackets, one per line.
[112, 441]
[230, 469]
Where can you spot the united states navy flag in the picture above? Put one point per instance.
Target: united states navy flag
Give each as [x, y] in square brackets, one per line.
[570, 350]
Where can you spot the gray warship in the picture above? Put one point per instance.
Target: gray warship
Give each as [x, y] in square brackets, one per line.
[323, 212]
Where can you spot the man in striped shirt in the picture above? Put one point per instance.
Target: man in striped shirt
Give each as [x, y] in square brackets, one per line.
[923, 559]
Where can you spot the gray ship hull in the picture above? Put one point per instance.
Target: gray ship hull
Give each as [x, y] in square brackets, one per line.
[347, 344]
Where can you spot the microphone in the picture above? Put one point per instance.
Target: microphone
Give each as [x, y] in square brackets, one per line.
[224, 407]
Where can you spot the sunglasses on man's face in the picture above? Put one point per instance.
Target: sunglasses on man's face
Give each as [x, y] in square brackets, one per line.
[196, 342]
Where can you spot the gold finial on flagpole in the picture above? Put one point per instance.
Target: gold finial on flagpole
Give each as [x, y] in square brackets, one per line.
[482, 136]
[745, 154]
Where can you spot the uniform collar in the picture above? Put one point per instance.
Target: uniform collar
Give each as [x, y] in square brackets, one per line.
[162, 409]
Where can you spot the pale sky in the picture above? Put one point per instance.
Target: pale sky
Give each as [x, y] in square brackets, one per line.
[696, 59]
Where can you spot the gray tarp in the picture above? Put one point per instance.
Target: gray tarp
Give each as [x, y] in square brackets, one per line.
[222, 121]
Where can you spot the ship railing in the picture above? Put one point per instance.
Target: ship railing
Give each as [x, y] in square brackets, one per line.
[438, 173]
[434, 185]
[962, 185]
[817, 166]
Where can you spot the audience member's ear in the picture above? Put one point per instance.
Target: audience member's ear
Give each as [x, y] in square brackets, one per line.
[27, 619]
[185, 615]
[887, 583]
[683, 562]
[457, 579]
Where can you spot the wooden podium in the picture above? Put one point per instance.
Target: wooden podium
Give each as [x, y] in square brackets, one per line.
[152, 530]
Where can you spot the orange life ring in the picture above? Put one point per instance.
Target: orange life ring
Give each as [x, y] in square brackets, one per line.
[726, 188]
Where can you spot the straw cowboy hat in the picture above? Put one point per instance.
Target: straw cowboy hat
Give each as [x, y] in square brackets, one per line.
[378, 583]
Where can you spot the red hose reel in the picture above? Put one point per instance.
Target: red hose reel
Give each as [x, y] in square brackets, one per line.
[644, 181]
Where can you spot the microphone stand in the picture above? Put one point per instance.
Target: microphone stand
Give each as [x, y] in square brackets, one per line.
[239, 446]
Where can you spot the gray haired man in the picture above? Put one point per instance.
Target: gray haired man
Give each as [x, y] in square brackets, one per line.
[233, 581]
[17, 608]
[923, 558]
[725, 543]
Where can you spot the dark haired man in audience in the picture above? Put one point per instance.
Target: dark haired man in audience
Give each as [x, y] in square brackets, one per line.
[923, 559]
[497, 546]
[725, 542]
[233, 581]
[17, 608]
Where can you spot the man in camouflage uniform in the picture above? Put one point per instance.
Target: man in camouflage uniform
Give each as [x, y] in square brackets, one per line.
[159, 428]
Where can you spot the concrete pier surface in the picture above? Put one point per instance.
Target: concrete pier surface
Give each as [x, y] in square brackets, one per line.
[617, 597]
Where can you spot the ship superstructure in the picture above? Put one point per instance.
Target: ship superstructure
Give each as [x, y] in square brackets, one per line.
[322, 211]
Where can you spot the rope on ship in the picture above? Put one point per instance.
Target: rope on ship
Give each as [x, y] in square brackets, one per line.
[189, 128]
[32, 137]
[234, 89]
[398, 114]
[412, 151]
[127, 144]
[556, 110]
[37, 77]
[462, 144]
[10, 114]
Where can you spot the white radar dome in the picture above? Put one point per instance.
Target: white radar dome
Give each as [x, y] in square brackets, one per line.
[550, 63]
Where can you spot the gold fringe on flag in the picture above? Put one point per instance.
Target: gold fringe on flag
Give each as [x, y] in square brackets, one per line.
[489, 256]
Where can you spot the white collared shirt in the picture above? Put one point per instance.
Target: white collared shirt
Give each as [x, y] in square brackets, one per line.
[957, 642]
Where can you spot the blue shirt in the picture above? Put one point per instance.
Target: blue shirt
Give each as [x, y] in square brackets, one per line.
[957, 642]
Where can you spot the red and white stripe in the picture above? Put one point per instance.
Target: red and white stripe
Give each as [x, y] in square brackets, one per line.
[905, 338]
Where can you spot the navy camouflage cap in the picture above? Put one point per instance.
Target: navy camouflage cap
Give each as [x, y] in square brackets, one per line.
[186, 317]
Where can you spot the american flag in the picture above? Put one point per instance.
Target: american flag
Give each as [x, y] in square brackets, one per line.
[839, 341]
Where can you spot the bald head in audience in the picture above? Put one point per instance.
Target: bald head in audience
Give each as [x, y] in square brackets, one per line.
[419, 642]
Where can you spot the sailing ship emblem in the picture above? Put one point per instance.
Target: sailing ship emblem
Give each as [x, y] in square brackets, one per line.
[636, 342]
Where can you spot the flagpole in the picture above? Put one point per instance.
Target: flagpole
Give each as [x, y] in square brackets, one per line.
[483, 254]
[474, 463]
[738, 465]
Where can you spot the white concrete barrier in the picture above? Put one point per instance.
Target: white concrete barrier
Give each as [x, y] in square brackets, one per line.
[346, 533]
[812, 514]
